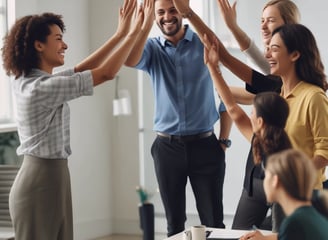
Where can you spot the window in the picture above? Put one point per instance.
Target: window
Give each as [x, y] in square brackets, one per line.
[6, 100]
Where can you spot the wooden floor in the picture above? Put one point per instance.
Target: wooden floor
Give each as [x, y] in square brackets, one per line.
[130, 237]
[121, 237]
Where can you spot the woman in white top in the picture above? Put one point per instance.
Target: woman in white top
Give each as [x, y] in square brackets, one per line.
[275, 13]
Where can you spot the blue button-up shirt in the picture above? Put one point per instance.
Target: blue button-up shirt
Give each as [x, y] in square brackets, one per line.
[183, 89]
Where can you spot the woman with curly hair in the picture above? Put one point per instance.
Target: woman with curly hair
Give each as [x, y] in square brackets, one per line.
[40, 198]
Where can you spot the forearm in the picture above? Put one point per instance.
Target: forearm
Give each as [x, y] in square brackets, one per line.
[236, 114]
[200, 27]
[221, 87]
[320, 161]
[109, 68]
[237, 67]
[96, 58]
[257, 57]
[241, 37]
[225, 125]
[242, 96]
[137, 50]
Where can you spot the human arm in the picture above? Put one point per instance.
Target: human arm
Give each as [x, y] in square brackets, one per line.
[229, 15]
[318, 118]
[98, 57]
[257, 235]
[240, 69]
[211, 59]
[225, 127]
[320, 161]
[114, 61]
[136, 52]
[242, 96]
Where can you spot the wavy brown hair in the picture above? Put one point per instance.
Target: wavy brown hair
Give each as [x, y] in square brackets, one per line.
[18, 52]
[309, 66]
[274, 111]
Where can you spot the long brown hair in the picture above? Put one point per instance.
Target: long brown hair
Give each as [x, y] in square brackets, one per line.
[309, 66]
[274, 111]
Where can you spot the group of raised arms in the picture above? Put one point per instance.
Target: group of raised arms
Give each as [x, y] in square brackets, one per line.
[287, 128]
[297, 76]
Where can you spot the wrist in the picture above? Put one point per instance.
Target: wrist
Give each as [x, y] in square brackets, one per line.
[218, 70]
[225, 141]
[188, 14]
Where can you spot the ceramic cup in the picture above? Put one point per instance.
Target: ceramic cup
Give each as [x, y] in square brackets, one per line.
[198, 232]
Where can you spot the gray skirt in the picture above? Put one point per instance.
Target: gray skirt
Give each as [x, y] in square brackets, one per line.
[40, 200]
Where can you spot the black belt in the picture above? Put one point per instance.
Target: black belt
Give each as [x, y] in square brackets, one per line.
[185, 138]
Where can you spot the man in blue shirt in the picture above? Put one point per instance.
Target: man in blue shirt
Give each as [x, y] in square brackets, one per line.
[185, 114]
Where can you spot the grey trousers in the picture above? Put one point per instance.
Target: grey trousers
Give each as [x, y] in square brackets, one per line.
[40, 200]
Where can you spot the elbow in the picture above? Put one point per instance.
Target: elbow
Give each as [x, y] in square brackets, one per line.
[233, 111]
[110, 76]
[129, 64]
[100, 77]
[107, 75]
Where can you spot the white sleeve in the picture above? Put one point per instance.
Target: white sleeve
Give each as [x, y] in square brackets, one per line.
[256, 56]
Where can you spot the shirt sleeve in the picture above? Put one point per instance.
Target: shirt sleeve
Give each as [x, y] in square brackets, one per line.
[62, 87]
[318, 117]
[222, 107]
[263, 83]
[257, 57]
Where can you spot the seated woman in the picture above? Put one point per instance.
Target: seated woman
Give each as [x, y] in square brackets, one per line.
[289, 180]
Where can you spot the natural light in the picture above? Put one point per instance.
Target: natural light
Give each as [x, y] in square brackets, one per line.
[6, 108]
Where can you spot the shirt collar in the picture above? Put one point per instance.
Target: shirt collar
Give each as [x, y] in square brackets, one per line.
[187, 36]
[296, 90]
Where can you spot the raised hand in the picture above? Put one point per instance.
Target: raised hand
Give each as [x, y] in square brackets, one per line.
[138, 21]
[126, 13]
[228, 13]
[182, 6]
[211, 51]
[149, 16]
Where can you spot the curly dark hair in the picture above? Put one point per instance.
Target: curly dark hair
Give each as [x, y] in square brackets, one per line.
[18, 52]
[274, 110]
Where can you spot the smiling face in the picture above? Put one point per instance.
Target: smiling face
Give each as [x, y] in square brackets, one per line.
[52, 51]
[280, 60]
[168, 18]
[271, 19]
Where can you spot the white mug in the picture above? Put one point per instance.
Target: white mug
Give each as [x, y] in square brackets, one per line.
[198, 232]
